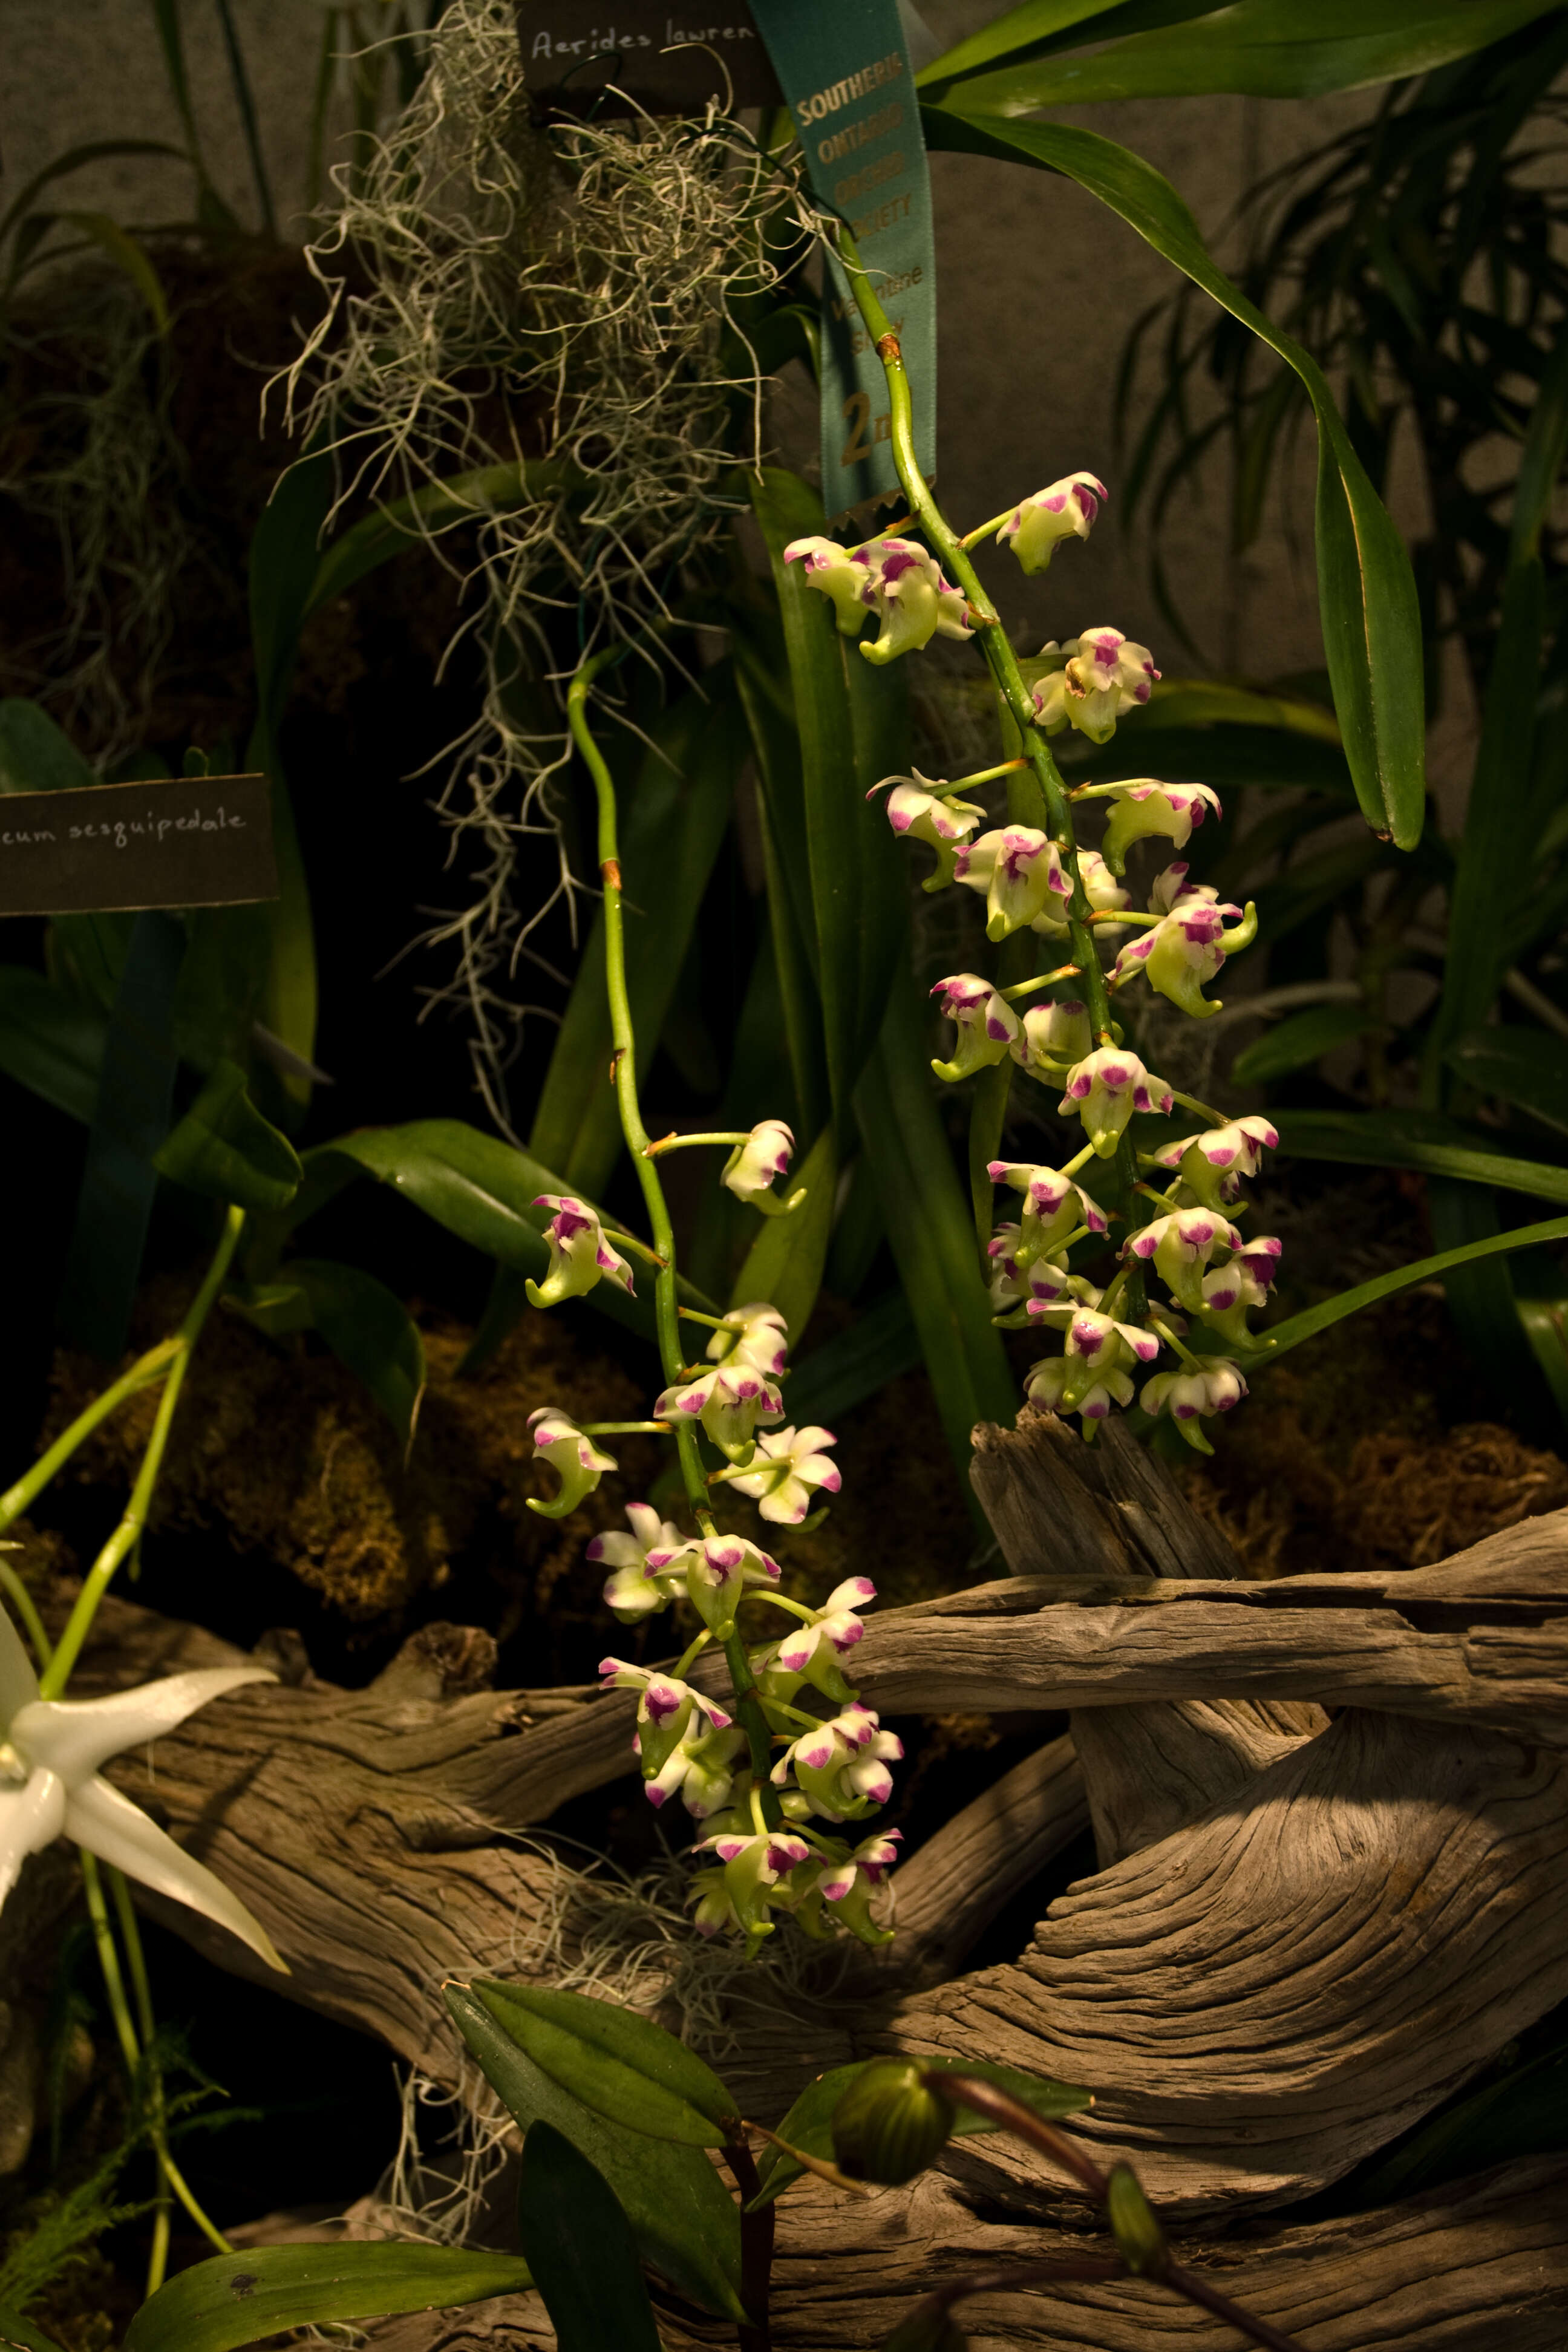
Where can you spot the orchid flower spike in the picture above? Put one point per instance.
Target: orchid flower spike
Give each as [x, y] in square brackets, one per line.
[842, 1765]
[682, 1737]
[1017, 870]
[1065, 510]
[717, 1571]
[1187, 1396]
[988, 1028]
[1091, 682]
[1181, 1245]
[787, 1467]
[812, 1651]
[1145, 807]
[750, 1168]
[636, 1591]
[50, 1786]
[579, 1255]
[913, 808]
[1212, 1164]
[578, 1461]
[1105, 1088]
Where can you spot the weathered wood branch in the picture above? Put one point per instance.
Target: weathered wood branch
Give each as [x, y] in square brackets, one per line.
[953, 1886]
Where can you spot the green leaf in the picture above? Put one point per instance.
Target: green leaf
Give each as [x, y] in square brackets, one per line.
[225, 1149]
[238, 2299]
[221, 984]
[1371, 619]
[1525, 2114]
[623, 2066]
[1203, 702]
[412, 522]
[581, 2250]
[49, 1043]
[676, 814]
[95, 151]
[369, 1330]
[1261, 48]
[1527, 1066]
[1302, 1039]
[854, 1364]
[809, 2123]
[784, 1263]
[852, 727]
[683, 2219]
[930, 1231]
[20, 2335]
[126, 254]
[35, 756]
[1424, 1141]
[1306, 1326]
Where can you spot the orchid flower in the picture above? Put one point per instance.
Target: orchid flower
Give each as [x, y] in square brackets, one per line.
[1049, 1382]
[50, 1785]
[1231, 1289]
[1211, 1164]
[1054, 1205]
[913, 808]
[1189, 945]
[673, 1720]
[580, 1257]
[1093, 680]
[793, 1466]
[1105, 1088]
[753, 1335]
[1181, 1245]
[717, 1570]
[1018, 870]
[988, 1028]
[750, 1168]
[1053, 1034]
[812, 1651]
[1185, 1395]
[754, 1862]
[890, 577]
[1063, 509]
[842, 1765]
[729, 1402]
[578, 1461]
[1145, 807]
[1100, 887]
[635, 1590]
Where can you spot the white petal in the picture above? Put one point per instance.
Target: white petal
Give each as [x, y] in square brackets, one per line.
[31, 1817]
[73, 1737]
[120, 1832]
[18, 1682]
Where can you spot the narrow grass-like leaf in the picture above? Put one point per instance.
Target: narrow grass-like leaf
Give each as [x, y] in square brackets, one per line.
[1300, 1040]
[683, 2219]
[623, 2066]
[225, 1149]
[1525, 2114]
[1315, 1319]
[580, 2247]
[854, 1364]
[20, 2335]
[1371, 619]
[1424, 1141]
[1527, 1066]
[238, 2299]
[407, 523]
[49, 1043]
[784, 1263]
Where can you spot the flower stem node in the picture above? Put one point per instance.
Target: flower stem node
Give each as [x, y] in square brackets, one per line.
[1189, 1394]
[1104, 1089]
[988, 1028]
[635, 1590]
[1212, 1164]
[1145, 808]
[891, 2122]
[1018, 870]
[915, 810]
[50, 1785]
[580, 1257]
[1064, 509]
[750, 1168]
[1091, 681]
[788, 1466]
[893, 578]
[577, 1462]
[842, 1765]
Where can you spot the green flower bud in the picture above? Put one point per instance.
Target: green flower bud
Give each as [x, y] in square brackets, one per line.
[1140, 2241]
[889, 2122]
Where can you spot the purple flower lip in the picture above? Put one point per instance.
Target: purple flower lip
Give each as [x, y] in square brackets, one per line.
[895, 565]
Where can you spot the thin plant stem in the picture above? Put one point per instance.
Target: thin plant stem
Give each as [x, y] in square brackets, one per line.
[1038, 793]
[129, 1532]
[30, 1485]
[675, 1141]
[667, 1319]
[27, 1610]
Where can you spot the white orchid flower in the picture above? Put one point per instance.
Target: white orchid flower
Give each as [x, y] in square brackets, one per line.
[50, 1750]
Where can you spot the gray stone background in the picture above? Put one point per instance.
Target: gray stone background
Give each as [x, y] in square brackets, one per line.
[1037, 287]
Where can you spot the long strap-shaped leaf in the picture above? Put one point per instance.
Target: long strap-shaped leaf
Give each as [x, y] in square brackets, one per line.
[238, 2299]
[1372, 623]
[1424, 1141]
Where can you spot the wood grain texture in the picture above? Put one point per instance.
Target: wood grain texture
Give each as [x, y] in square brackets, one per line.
[953, 1886]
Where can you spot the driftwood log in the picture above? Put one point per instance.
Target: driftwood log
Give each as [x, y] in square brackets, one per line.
[1306, 1932]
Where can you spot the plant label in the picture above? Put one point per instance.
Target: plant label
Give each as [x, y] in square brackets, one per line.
[665, 57]
[177, 841]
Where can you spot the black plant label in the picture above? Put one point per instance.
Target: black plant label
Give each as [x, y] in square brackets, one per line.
[669, 59]
[181, 841]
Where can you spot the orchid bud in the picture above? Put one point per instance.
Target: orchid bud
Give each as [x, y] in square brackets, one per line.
[891, 2122]
[1139, 2240]
[1063, 511]
[750, 1168]
[1092, 681]
[988, 1027]
[577, 1460]
[1018, 869]
[915, 810]
[1186, 1394]
[579, 1255]
[1145, 808]
[1105, 1088]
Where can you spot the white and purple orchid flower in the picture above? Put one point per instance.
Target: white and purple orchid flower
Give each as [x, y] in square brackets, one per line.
[918, 807]
[1182, 1244]
[1104, 1090]
[754, 1335]
[1189, 945]
[841, 1767]
[580, 1257]
[754, 1865]
[577, 1462]
[681, 1736]
[715, 1571]
[1053, 1037]
[51, 1783]
[1064, 509]
[1091, 682]
[636, 1591]
[1100, 887]
[1054, 1207]
[1017, 870]
[988, 1028]
[1143, 807]
[1188, 1395]
[812, 1651]
[893, 578]
[750, 1168]
[1211, 1164]
[729, 1402]
[1243, 1282]
[787, 1469]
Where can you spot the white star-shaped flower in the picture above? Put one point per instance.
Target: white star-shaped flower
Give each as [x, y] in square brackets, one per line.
[50, 1750]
